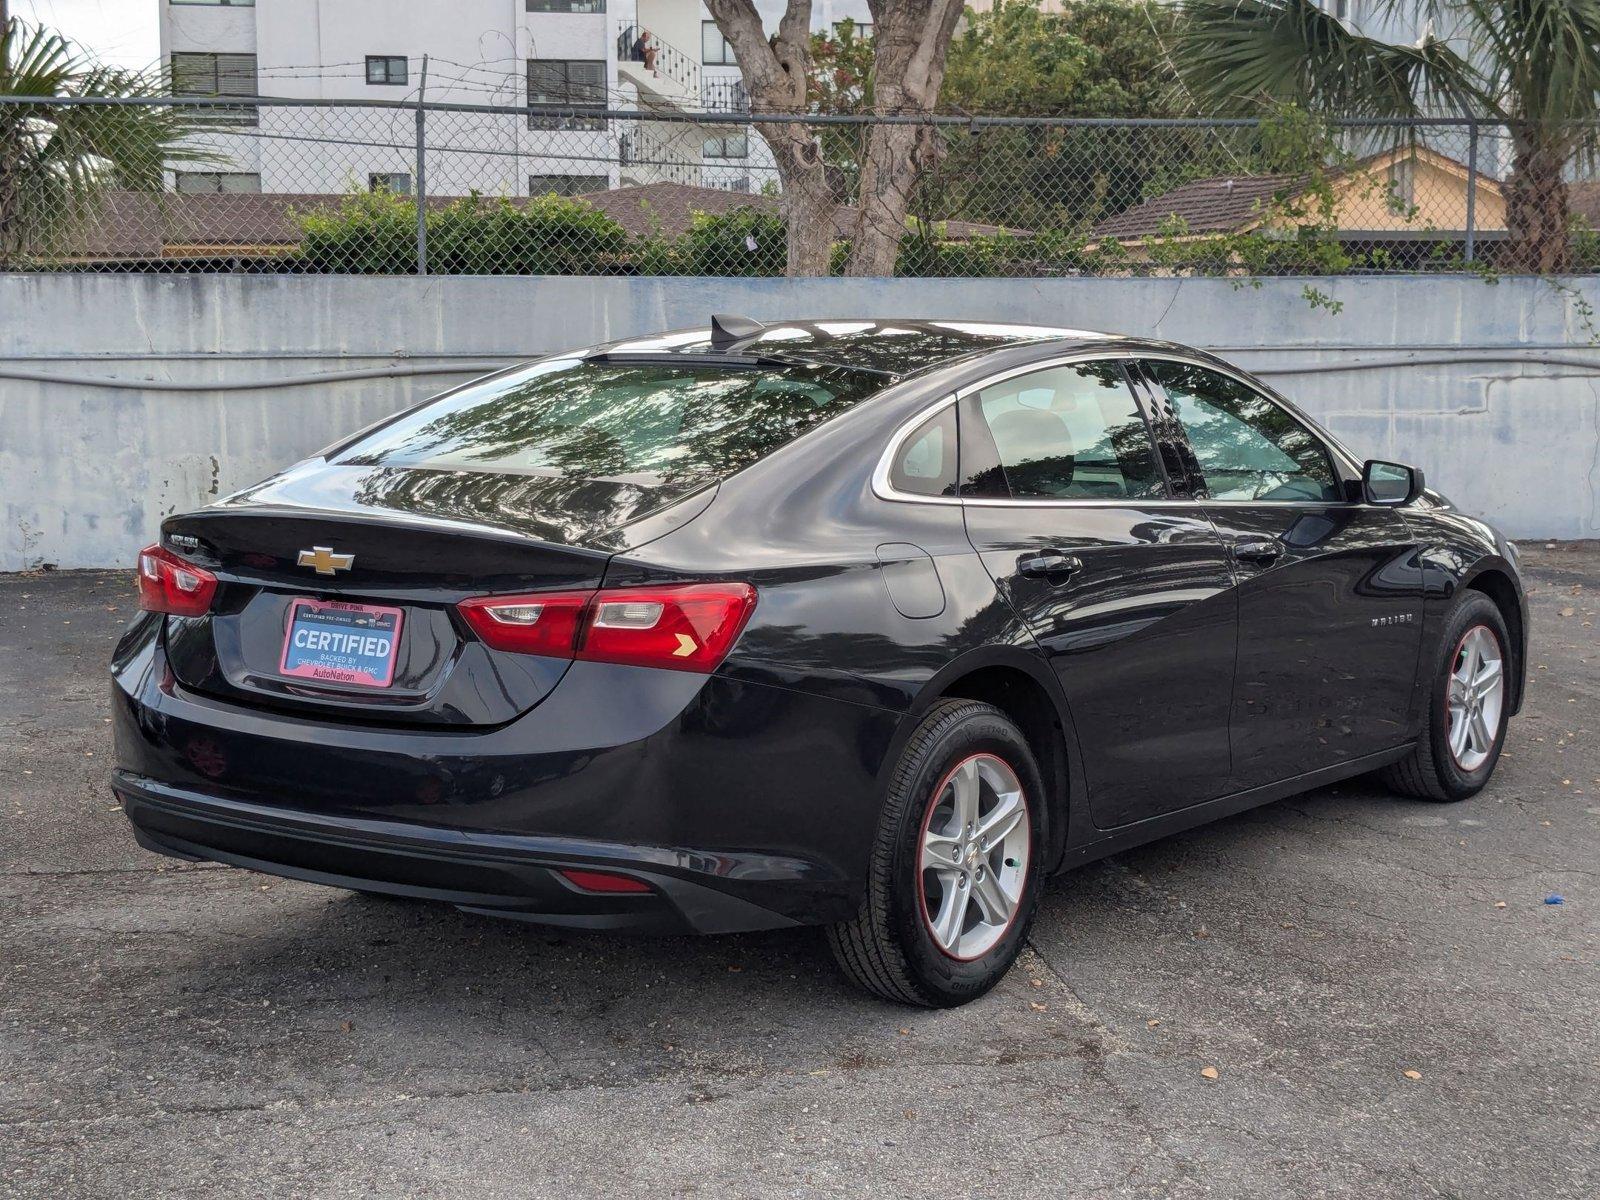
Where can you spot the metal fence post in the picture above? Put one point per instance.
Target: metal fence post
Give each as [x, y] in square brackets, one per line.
[422, 172]
[1470, 250]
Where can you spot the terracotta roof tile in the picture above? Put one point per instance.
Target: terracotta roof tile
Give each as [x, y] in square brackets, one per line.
[1217, 205]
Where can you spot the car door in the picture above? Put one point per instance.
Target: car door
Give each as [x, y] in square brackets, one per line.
[1328, 586]
[1125, 589]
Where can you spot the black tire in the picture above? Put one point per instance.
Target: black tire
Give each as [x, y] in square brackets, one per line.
[1430, 771]
[887, 948]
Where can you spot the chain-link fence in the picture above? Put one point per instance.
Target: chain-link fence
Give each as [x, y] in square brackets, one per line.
[278, 186]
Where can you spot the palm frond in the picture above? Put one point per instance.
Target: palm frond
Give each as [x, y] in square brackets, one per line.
[1546, 58]
[57, 160]
[1238, 55]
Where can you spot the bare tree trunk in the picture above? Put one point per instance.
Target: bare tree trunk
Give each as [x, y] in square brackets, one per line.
[775, 73]
[896, 157]
[1538, 239]
[911, 39]
[807, 203]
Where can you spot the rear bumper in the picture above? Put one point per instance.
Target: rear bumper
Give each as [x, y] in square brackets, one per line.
[503, 876]
[742, 805]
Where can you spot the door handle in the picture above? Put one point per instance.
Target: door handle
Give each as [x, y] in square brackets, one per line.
[1049, 562]
[1262, 552]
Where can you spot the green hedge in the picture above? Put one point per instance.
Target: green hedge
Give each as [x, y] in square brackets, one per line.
[376, 234]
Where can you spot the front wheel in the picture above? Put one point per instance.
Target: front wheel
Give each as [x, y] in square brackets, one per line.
[953, 883]
[1468, 709]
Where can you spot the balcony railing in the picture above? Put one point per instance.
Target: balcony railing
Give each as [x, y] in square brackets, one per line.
[724, 95]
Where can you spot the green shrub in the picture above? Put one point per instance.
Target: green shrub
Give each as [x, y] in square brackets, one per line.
[925, 251]
[545, 235]
[1585, 245]
[745, 241]
[369, 233]
[376, 234]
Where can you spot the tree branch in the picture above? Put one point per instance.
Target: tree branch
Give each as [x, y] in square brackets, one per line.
[770, 67]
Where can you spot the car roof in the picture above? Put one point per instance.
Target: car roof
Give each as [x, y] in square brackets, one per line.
[895, 348]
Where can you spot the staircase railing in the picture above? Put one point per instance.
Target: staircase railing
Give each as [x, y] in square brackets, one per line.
[649, 157]
[637, 44]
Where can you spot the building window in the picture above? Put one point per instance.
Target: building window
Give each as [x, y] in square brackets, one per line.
[567, 6]
[210, 183]
[217, 75]
[391, 70]
[398, 182]
[714, 48]
[1344, 10]
[566, 185]
[565, 84]
[729, 145]
[862, 30]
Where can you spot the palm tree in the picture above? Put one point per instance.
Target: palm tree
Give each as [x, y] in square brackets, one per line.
[57, 160]
[1533, 65]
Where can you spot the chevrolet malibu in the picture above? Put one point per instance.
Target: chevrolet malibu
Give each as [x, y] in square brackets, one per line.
[872, 625]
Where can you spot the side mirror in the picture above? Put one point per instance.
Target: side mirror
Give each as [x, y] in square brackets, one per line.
[1390, 482]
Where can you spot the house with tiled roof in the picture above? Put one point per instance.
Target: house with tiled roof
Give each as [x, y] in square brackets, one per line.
[1405, 196]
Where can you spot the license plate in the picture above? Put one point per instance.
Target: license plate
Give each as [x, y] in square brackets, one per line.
[336, 642]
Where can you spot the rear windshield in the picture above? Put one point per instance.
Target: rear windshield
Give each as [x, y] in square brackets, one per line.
[642, 423]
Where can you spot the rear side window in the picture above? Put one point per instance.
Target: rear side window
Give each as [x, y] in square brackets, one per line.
[641, 423]
[1069, 432]
[926, 462]
[1248, 447]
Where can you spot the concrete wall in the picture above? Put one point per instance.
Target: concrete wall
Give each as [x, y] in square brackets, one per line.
[124, 399]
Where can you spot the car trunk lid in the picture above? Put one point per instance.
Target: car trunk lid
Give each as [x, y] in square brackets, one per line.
[391, 551]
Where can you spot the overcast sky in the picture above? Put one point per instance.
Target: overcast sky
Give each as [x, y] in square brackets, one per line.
[125, 31]
[117, 31]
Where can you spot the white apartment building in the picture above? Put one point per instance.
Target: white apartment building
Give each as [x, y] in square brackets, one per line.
[508, 53]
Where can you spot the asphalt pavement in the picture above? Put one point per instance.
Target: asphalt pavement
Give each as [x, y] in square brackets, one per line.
[1343, 994]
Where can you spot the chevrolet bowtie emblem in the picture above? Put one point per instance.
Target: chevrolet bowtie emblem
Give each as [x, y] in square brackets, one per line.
[324, 561]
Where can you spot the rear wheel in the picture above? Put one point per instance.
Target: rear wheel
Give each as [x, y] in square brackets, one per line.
[1469, 706]
[953, 885]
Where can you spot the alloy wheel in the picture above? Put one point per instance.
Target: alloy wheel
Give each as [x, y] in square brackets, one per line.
[1476, 697]
[973, 856]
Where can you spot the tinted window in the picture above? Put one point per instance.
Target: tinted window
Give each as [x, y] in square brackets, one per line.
[562, 83]
[1248, 447]
[926, 463]
[645, 423]
[1069, 432]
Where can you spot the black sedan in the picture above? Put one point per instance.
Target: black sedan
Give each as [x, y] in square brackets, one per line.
[856, 623]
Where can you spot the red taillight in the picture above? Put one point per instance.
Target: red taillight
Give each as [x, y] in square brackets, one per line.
[604, 881]
[538, 623]
[169, 584]
[679, 627]
[684, 627]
